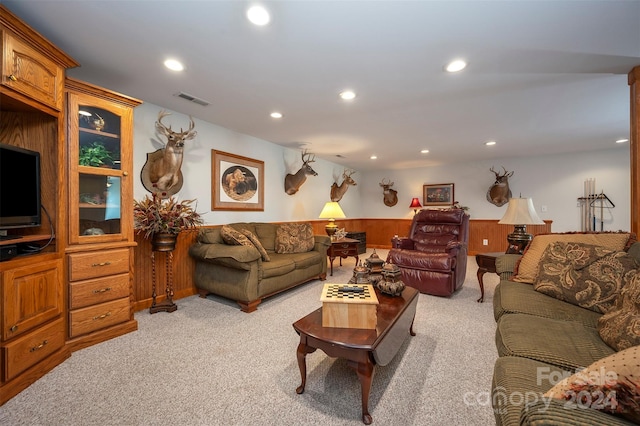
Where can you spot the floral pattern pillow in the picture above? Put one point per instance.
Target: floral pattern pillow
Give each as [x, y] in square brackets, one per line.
[256, 242]
[294, 238]
[620, 327]
[585, 275]
[233, 237]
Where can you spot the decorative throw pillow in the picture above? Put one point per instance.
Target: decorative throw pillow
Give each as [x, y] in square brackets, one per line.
[256, 242]
[611, 385]
[233, 237]
[620, 327]
[584, 275]
[527, 269]
[294, 238]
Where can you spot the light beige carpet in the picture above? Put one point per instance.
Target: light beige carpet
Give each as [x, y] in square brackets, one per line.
[208, 363]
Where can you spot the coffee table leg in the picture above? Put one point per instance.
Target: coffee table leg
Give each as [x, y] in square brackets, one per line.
[365, 374]
[302, 352]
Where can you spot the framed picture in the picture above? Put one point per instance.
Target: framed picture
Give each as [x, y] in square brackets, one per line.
[237, 183]
[438, 195]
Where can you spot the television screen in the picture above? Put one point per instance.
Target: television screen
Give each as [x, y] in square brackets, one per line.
[19, 187]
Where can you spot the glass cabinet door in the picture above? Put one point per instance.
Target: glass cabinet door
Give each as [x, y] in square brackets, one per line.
[99, 163]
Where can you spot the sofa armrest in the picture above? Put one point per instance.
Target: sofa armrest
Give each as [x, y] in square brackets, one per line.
[211, 252]
[322, 243]
[506, 264]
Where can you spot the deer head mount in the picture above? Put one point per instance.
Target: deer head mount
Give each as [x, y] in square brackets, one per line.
[161, 173]
[337, 192]
[293, 182]
[499, 193]
[390, 196]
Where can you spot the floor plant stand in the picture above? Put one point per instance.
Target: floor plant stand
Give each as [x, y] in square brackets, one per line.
[163, 243]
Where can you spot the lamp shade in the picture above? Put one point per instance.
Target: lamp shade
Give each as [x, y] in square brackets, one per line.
[520, 211]
[415, 203]
[332, 210]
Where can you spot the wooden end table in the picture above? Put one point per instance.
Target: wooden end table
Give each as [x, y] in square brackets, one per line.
[362, 348]
[342, 248]
[486, 263]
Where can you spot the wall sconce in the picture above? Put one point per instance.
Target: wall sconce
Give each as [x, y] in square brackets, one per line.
[331, 211]
[520, 213]
[415, 205]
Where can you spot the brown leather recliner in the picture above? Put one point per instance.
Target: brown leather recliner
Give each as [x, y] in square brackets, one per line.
[433, 259]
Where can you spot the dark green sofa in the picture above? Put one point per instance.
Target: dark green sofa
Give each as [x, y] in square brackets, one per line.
[237, 272]
[539, 340]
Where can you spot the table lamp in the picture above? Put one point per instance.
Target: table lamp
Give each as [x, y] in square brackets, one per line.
[331, 211]
[520, 213]
[415, 205]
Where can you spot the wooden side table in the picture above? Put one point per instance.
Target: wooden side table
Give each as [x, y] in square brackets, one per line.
[342, 248]
[486, 263]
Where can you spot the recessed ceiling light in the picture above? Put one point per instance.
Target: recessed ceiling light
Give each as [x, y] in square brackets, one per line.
[374, 157]
[276, 115]
[347, 95]
[455, 66]
[258, 15]
[424, 151]
[622, 140]
[490, 143]
[173, 65]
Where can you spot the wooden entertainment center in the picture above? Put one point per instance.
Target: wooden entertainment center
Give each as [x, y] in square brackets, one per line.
[76, 288]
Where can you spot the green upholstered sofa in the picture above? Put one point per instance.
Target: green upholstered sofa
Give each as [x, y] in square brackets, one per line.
[239, 273]
[541, 339]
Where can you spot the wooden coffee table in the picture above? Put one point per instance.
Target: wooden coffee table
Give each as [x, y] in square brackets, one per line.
[363, 349]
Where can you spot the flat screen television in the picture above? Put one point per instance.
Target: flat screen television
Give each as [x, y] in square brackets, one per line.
[19, 187]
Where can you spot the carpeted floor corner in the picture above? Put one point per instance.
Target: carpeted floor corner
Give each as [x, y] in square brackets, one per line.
[208, 363]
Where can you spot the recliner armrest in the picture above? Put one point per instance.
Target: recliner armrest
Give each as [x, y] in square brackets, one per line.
[404, 243]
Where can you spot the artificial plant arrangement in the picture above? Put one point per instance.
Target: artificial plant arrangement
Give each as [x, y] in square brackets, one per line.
[154, 215]
[95, 155]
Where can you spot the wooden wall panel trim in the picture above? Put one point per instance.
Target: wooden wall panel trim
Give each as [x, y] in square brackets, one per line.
[379, 234]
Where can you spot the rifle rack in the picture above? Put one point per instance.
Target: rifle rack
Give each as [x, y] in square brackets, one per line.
[589, 207]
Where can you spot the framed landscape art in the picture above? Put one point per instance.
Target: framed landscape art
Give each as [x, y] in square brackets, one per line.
[438, 195]
[237, 183]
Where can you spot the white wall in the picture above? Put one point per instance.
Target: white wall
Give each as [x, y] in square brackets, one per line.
[553, 181]
[306, 204]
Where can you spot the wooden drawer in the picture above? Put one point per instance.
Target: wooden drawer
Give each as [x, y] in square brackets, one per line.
[96, 264]
[31, 73]
[344, 249]
[32, 348]
[92, 318]
[98, 290]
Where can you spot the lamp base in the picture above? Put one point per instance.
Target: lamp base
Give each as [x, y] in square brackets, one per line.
[331, 228]
[518, 240]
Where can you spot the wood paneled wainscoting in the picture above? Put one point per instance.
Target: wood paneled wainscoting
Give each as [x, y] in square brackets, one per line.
[379, 234]
[496, 234]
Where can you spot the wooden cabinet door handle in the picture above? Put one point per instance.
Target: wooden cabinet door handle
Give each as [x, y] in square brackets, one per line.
[101, 264]
[103, 316]
[40, 346]
[102, 290]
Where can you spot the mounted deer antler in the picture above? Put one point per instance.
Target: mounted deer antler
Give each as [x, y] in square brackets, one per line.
[499, 193]
[337, 192]
[293, 182]
[161, 173]
[390, 196]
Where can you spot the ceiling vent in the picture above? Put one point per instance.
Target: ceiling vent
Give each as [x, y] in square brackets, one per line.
[193, 99]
